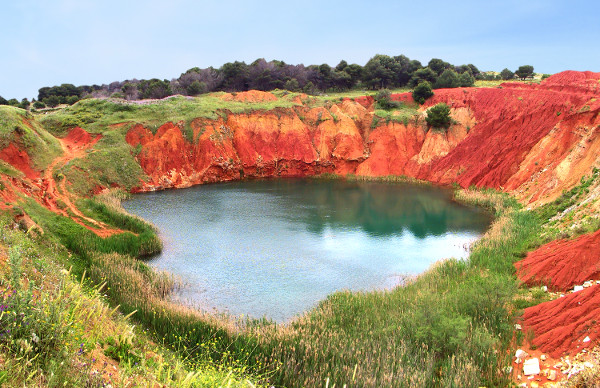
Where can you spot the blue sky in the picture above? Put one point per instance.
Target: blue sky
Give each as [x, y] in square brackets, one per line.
[46, 43]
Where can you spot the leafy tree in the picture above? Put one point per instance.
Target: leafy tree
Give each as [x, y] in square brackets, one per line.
[13, 102]
[438, 116]
[196, 88]
[466, 79]
[525, 71]
[24, 104]
[379, 72]
[438, 65]
[3, 101]
[355, 72]
[72, 100]
[422, 92]
[292, 85]
[425, 74]
[154, 88]
[545, 75]
[341, 66]
[235, 76]
[51, 101]
[39, 105]
[309, 88]
[130, 91]
[448, 79]
[384, 100]
[507, 74]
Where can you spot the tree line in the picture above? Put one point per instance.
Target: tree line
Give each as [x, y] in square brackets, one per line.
[380, 72]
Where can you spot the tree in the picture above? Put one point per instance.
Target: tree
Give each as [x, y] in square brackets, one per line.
[39, 105]
[3, 101]
[378, 72]
[438, 65]
[507, 74]
[24, 104]
[448, 79]
[438, 116]
[51, 101]
[466, 79]
[425, 74]
[292, 85]
[196, 88]
[422, 92]
[525, 71]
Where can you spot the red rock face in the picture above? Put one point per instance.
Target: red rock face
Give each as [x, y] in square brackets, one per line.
[531, 140]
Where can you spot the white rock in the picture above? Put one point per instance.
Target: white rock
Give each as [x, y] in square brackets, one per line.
[520, 353]
[586, 339]
[518, 327]
[531, 367]
[545, 288]
[551, 375]
[577, 288]
[543, 357]
[588, 364]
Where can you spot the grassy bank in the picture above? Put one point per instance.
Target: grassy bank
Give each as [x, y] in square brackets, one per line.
[57, 329]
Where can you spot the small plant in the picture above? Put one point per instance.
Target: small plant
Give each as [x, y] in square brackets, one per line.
[384, 100]
[438, 116]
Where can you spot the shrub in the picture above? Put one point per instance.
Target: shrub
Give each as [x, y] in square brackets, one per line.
[39, 105]
[384, 100]
[422, 92]
[438, 116]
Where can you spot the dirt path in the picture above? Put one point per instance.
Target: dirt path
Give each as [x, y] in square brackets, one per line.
[74, 146]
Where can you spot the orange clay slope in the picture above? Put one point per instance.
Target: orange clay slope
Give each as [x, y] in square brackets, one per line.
[530, 140]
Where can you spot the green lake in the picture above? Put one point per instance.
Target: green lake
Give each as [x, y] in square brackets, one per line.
[275, 248]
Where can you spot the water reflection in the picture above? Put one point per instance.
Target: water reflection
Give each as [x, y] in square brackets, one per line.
[275, 248]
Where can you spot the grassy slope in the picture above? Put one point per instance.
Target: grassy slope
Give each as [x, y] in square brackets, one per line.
[18, 126]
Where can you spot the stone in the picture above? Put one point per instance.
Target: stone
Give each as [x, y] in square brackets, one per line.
[518, 327]
[543, 357]
[551, 375]
[520, 354]
[534, 385]
[531, 367]
[577, 288]
[586, 339]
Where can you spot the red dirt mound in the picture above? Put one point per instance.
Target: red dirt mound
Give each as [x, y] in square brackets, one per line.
[77, 137]
[250, 96]
[562, 264]
[19, 160]
[562, 325]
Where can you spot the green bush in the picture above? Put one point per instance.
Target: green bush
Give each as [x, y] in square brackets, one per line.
[438, 116]
[384, 100]
[422, 92]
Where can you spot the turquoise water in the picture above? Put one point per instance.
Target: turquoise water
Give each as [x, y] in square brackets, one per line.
[276, 248]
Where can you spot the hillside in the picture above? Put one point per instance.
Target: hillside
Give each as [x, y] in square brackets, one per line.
[539, 143]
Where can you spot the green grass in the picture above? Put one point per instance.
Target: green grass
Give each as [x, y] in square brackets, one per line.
[110, 163]
[18, 127]
[97, 115]
[405, 114]
[53, 326]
